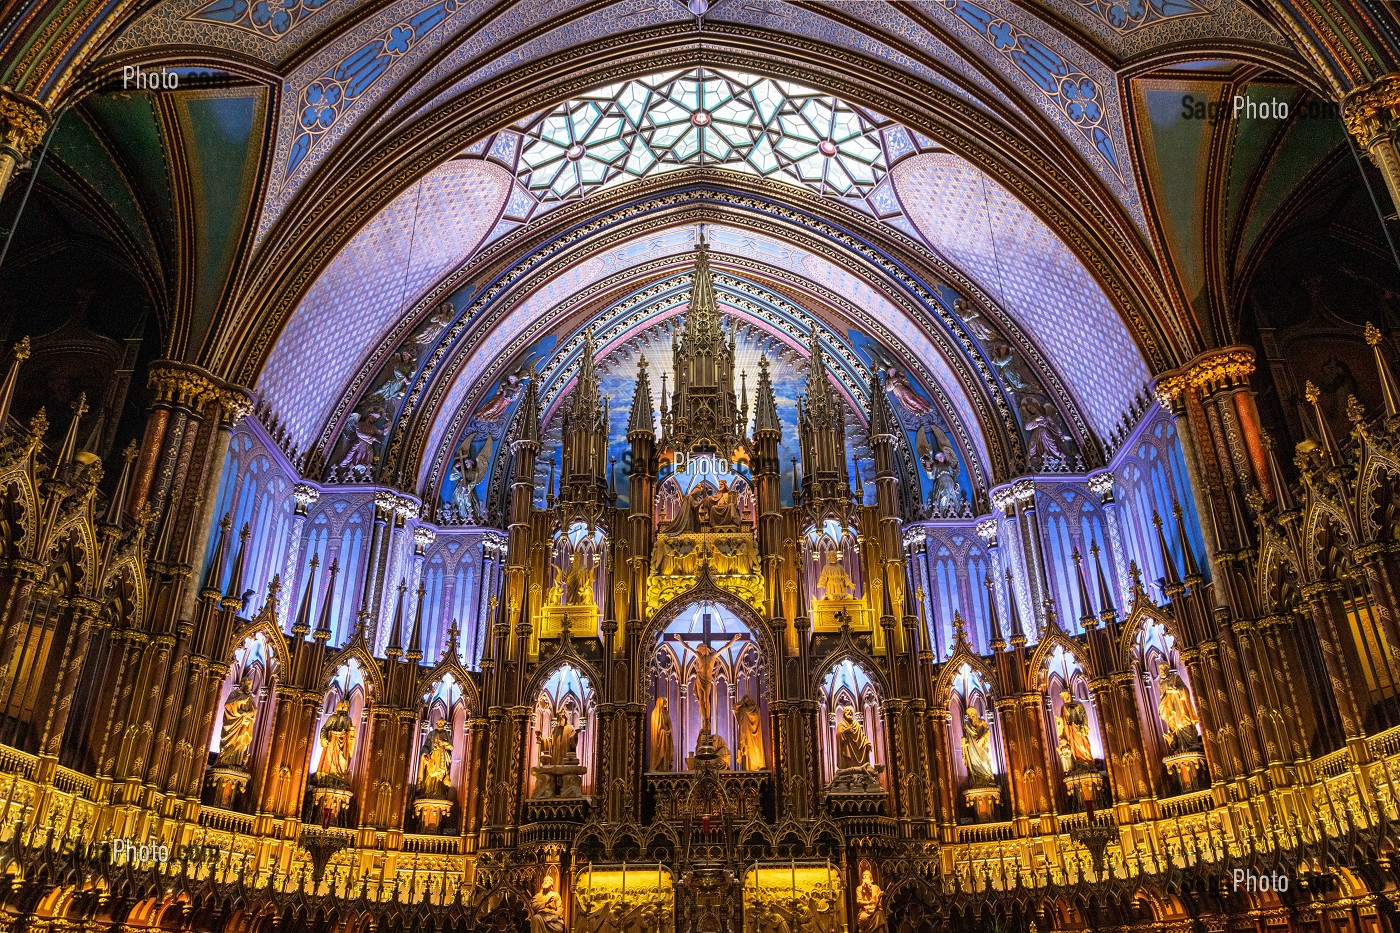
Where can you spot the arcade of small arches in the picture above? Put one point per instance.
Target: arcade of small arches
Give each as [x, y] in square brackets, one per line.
[486, 467]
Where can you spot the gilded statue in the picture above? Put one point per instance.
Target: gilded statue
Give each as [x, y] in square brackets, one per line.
[835, 583]
[547, 909]
[555, 596]
[1174, 706]
[240, 713]
[578, 584]
[704, 675]
[561, 745]
[724, 509]
[748, 736]
[977, 747]
[435, 761]
[853, 749]
[1073, 728]
[337, 744]
[689, 514]
[870, 915]
[662, 745]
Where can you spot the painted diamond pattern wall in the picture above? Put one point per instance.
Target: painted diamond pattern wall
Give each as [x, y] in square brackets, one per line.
[423, 234]
[1014, 257]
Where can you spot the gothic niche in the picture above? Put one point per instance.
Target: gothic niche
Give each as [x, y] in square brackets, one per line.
[561, 733]
[339, 735]
[704, 517]
[832, 565]
[853, 744]
[577, 577]
[1073, 725]
[708, 702]
[974, 733]
[441, 753]
[245, 714]
[1168, 706]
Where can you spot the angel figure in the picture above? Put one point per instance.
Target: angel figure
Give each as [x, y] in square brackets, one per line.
[362, 434]
[467, 471]
[897, 384]
[495, 406]
[436, 323]
[947, 497]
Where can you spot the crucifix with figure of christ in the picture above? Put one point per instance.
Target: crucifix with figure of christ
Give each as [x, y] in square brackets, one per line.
[705, 654]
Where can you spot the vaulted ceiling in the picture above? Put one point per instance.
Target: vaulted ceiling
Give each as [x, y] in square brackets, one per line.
[383, 216]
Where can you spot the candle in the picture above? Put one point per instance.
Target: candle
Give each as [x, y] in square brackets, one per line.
[623, 898]
[590, 882]
[794, 879]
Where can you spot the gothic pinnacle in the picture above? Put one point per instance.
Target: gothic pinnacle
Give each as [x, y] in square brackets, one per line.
[642, 418]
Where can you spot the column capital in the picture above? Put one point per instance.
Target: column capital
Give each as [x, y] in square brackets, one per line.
[1212, 371]
[23, 123]
[1370, 111]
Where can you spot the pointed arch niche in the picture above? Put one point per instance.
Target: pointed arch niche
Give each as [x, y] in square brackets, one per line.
[971, 691]
[1153, 649]
[444, 700]
[737, 673]
[569, 690]
[1063, 673]
[350, 685]
[848, 683]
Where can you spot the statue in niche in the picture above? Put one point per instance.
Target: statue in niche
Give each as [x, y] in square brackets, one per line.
[337, 745]
[662, 743]
[870, 907]
[555, 596]
[977, 747]
[853, 748]
[1073, 728]
[835, 583]
[435, 761]
[236, 736]
[578, 583]
[547, 909]
[856, 772]
[724, 509]
[748, 736]
[704, 675]
[689, 513]
[560, 747]
[1174, 706]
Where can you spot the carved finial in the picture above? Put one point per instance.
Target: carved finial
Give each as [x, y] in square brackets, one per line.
[1356, 413]
[1373, 335]
[1311, 392]
[22, 349]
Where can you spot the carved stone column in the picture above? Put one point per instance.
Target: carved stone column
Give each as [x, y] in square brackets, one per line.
[23, 123]
[1372, 116]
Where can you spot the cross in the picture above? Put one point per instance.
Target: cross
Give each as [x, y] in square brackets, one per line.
[707, 634]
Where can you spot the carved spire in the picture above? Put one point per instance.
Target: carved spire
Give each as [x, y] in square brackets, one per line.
[1313, 394]
[1188, 555]
[1389, 393]
[584, 476]
[323, 627]
[704, 413]
[998, 642]
[117, 505]
[301, 625]
[882, 421]
[235, 583]
[70, 440]
[1107, 611]
[765, 415]
[1018, 634]
[642, 419]
[395, 647]
[1086, 605]
[821, 427]
[415, 641]
[213, 572]
[7, 388]
[1168, 563]
[530, 412]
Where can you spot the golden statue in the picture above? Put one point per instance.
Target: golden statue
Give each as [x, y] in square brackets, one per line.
[555, 596]
[977, 747]
[546, 909]
[870, 916]
[724, 509]
[663, 749]
[236, 736]
[435, 761]
[748, 736]
[561, 745]
[1174, 706]
[1073, 728]
[835, 583]
[578, 584]
[853, 749]
[337, 744]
